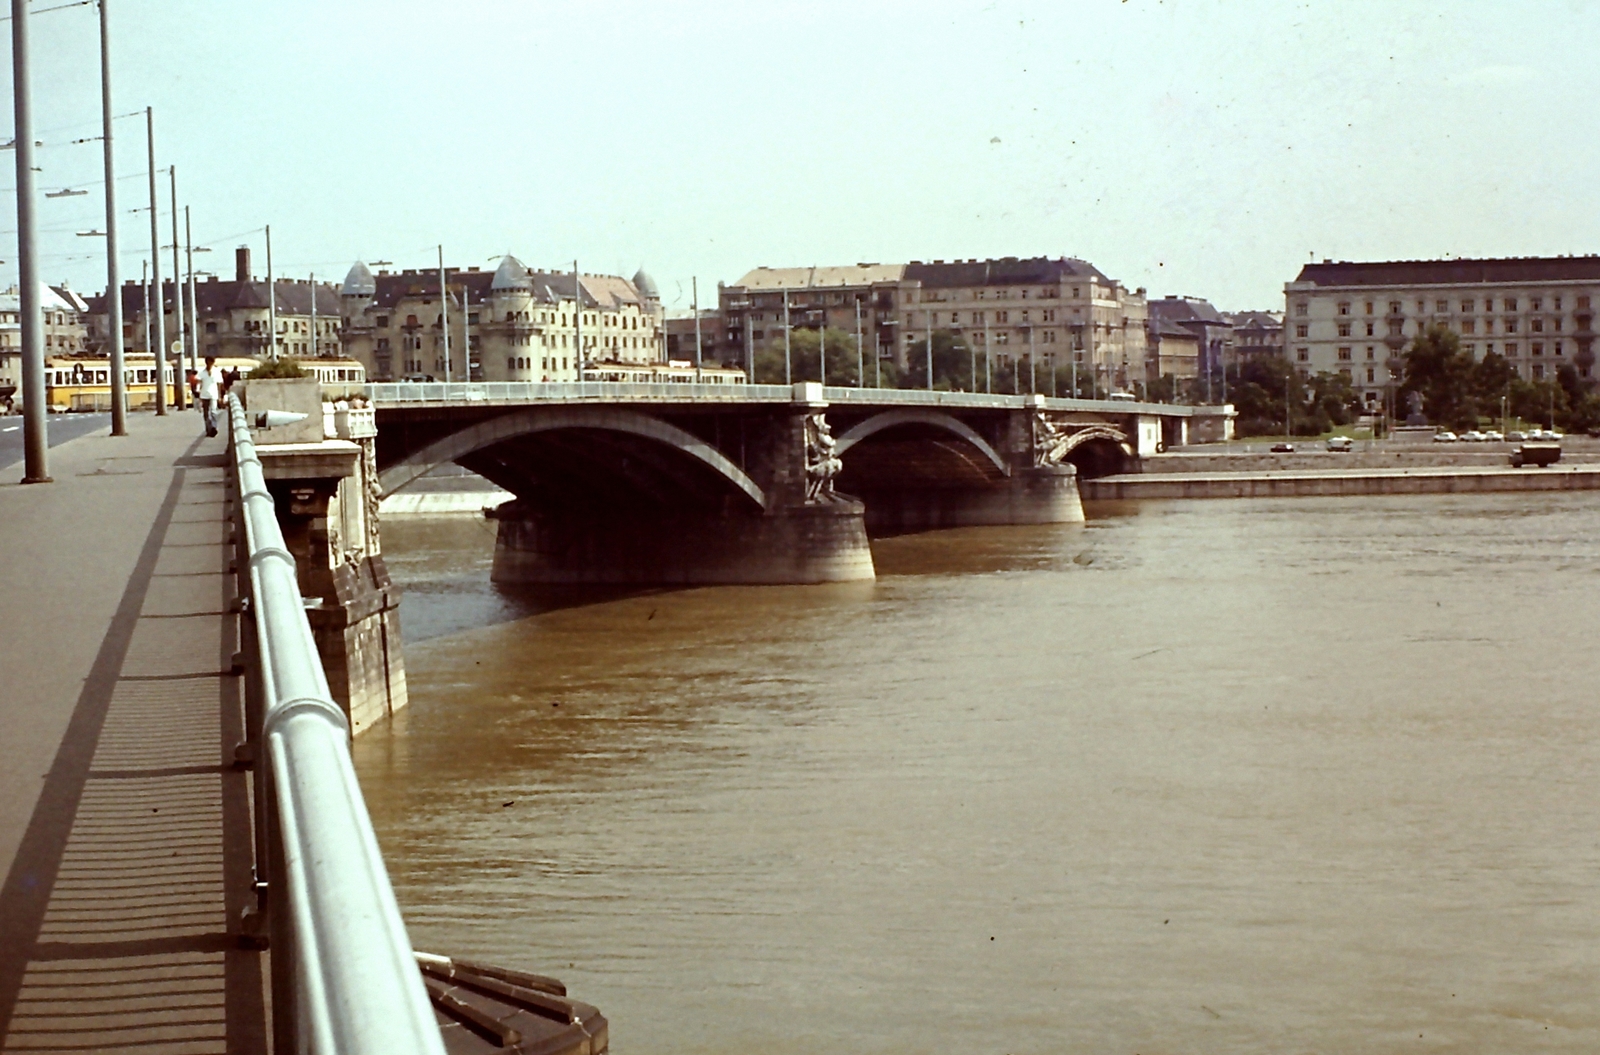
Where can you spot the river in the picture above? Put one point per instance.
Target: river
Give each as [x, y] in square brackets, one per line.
[1230, 776]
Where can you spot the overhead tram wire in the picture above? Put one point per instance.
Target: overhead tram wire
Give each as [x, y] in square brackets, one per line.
[47, 10]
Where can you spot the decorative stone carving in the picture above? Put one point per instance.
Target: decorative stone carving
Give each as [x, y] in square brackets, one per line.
[372, 491]
[822, 461]
[1050, 444]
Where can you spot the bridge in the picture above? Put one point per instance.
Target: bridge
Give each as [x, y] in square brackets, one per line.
[618, 482]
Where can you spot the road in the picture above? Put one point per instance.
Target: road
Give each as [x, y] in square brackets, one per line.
[60, 428]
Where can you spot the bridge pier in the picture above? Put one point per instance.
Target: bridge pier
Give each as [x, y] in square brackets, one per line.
[798, 544]
[1045, 494]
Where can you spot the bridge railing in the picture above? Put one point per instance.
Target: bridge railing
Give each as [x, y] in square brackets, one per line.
[517, 392]
[344, 977]
[570, 391]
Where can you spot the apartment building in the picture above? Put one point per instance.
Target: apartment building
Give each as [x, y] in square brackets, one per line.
[1055, 309]
[231, 316]
[512, 324]
[1212, 330]
[65, 316]
[1355, 317]
[1257, 335]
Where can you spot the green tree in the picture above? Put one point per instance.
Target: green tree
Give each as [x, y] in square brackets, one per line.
[1258, 396]
[805, 351]
[1438, 370]
[952, 363]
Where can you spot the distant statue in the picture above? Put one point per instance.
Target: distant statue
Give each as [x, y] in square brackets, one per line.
[1050, 444]
[1415, 417]
[822, 460]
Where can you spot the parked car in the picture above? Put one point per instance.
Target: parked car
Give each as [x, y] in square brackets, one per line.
[1544, 435]
[1473, 436]
[1283, 448]
[1338, 443]
[1514, 436]
[1492, 436]
[1444, 436]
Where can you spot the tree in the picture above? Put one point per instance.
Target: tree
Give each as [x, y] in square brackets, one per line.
[1437, 369]
[952, 363]
[805, 348]
[1258, 393]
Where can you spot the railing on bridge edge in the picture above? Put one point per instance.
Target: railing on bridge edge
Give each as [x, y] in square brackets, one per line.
[344, 976]
[502, 392]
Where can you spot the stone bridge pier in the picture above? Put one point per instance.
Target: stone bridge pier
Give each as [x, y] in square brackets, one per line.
[776, 490]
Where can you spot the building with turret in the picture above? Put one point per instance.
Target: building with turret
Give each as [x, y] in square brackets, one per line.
[512, 324]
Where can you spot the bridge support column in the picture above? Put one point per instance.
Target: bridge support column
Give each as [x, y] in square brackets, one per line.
[1044, 495]
[799, 544]
[327, 503]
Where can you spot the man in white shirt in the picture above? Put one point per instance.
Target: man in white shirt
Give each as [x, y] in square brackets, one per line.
[210, 381]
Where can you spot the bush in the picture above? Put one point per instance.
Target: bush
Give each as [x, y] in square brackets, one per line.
[288, 367]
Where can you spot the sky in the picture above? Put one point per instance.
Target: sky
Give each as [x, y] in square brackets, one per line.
[1192, 148]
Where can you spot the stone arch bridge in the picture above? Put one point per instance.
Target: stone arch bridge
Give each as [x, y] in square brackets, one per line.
[752, 483]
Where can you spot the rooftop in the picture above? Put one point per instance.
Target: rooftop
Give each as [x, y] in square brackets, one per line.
[1493, 271]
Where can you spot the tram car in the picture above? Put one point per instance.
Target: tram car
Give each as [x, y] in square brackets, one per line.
[83, 382]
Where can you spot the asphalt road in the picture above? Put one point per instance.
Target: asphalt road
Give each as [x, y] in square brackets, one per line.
[59, 427]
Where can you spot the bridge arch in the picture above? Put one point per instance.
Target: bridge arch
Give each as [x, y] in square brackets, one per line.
[1099, 450]
[913, 416]
[533, 420]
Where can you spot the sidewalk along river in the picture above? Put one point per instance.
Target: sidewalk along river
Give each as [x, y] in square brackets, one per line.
[1260, 776]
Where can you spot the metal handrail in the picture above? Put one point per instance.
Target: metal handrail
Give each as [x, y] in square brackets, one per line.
[339, 945]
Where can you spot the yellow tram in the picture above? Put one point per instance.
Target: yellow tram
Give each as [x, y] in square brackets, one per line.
[83, 382]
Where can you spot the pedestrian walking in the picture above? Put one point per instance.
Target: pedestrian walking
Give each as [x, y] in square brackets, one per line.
[210, 381]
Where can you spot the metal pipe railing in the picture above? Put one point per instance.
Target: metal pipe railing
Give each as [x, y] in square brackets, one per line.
[344, 975]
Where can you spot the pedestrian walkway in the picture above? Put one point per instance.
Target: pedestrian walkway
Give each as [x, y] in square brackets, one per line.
[124, 828]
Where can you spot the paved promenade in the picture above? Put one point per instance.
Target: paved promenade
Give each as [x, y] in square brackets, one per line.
[124, 832]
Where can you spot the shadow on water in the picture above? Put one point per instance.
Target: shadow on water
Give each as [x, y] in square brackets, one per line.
[443, 564]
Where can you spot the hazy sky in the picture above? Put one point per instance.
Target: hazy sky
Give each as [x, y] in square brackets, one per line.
[1188, 147]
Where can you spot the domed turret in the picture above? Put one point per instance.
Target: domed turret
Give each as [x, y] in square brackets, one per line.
[646, 285]
[359, 282]
[511, 275]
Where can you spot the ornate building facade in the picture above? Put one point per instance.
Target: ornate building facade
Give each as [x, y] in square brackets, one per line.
[512, 324]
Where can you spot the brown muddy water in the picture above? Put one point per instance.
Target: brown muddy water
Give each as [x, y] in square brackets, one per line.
[1235, 776]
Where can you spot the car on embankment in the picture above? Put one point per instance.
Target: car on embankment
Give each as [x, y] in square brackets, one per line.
[1342, 444]
[1444, 436]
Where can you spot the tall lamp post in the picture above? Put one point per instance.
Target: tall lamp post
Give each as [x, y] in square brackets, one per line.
[119, 379]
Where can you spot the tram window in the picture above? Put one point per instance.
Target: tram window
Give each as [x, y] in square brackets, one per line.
[100, 377]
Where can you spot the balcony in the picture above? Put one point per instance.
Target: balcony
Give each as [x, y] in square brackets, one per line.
[1395, 340]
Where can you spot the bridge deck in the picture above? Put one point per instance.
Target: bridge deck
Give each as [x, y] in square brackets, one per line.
[124, 835]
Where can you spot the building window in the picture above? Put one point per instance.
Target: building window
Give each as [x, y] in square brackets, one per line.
[1344, 307]
[1470, 349]
[1468, 326]
[1466, 306]
[1344, 329]
[1369, 307]
[1555, 348]
[1302, 308]
[1536, 325]
[1488, 349]
[1344, 354]
[1510, 303]
[1370, 375]
[1371, 330]
[1538, 371]
[1535, 304]
[1394, 307]
[1510, 325]
[1511, 348]
[1536, 348]
[1371, 352]
[1302, 330]
[1302, 354]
